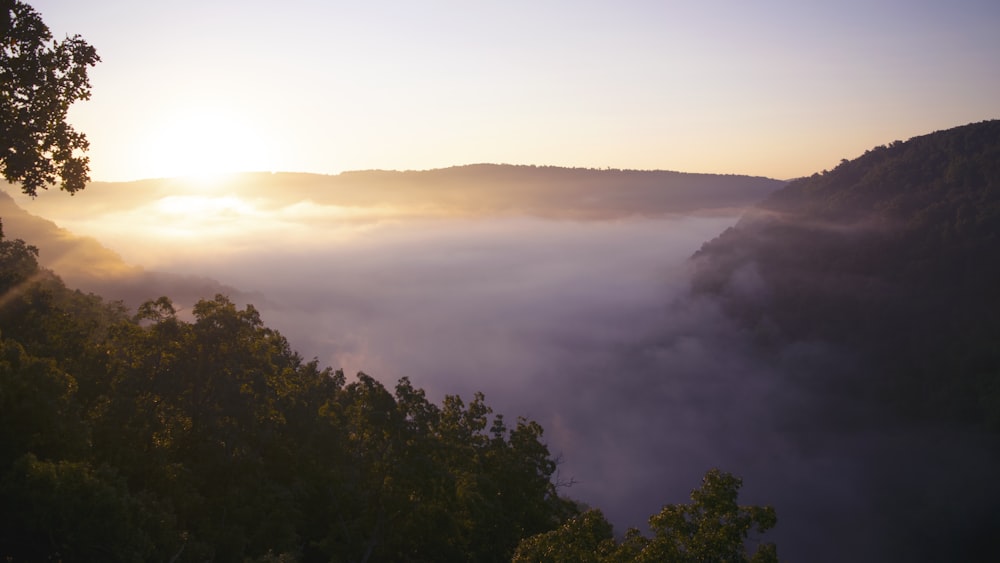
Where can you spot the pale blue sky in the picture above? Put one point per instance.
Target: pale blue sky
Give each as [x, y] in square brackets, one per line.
[775, 88]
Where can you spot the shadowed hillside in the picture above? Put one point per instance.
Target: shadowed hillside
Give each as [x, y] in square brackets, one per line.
[85, 264]
[892, 254]
[888, 263]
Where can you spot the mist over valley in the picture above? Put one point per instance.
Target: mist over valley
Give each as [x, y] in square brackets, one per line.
[254, 309]
[553, 291]
[603, 304]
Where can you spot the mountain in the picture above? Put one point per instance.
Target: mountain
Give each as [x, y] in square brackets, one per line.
[479, 189]
[893, 255]
[885, 271]
[549, 191]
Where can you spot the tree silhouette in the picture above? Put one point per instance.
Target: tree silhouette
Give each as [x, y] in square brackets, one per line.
[39, 79]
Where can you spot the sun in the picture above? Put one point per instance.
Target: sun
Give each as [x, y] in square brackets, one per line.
[204, 144]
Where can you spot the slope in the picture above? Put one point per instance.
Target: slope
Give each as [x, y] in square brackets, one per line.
[86, 264]
[892, 255]
[883, 274]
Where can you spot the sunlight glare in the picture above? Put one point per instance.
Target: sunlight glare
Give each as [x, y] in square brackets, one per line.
[199, 207]
[204, 145]
[196, 216]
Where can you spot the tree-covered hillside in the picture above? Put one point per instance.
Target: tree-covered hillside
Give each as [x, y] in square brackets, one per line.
[888, 265]
[893, 255]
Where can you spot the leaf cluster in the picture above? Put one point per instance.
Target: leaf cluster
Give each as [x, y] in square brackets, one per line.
[712, 528]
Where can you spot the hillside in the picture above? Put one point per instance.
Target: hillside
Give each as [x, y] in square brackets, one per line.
[891, 254]
[885, 270]
[85, 264]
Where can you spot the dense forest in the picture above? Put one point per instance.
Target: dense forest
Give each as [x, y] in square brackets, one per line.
[892, 256]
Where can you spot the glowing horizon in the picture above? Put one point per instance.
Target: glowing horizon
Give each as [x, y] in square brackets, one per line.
[781, 90]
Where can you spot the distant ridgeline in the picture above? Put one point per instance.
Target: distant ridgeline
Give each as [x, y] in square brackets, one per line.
[477, 189]
[560, 192]
[893, 256]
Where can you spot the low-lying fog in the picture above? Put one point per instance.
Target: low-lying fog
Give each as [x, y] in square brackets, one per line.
[582, 325]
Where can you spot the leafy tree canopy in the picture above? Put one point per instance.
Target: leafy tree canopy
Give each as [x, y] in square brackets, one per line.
[713, 528]
[39, 79]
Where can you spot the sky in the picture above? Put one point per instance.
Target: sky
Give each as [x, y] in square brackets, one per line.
[772, 88]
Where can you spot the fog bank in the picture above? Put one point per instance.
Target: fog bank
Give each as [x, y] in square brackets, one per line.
[583, 323]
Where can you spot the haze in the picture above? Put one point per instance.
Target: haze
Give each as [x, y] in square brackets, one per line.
[555, 311]
[570, 312]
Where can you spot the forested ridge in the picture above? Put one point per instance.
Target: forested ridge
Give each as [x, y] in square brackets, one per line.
[885, 270]
[891, 255]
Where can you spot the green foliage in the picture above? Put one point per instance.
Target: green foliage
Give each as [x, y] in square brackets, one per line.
[713, 528]
[68, 511]
[431, 484]
[18, 261]
[587, 538]
[39, 80]
[38, 412]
